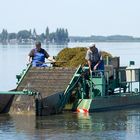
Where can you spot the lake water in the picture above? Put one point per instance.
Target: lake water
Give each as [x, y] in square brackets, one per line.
[116, 125]
[13, 58]
[112, 125]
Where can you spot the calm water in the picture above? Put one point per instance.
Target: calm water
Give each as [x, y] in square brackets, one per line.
[116, 125]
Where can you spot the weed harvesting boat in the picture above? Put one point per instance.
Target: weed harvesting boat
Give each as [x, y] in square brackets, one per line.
[52, 90]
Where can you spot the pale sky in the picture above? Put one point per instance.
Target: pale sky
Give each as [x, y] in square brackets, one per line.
[80, 17]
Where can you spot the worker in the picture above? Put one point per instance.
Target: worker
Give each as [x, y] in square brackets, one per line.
[37, 56]
[94, 59]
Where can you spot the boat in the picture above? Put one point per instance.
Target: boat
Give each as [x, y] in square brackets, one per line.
[52, 90]
[5, 102]
[115, 88]
[48, 84]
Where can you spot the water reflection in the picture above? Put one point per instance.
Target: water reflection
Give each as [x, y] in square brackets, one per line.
[6, 123]
[112, 125]
[105, 121]
[133, 123]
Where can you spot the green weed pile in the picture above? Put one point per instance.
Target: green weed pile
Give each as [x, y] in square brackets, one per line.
[73, 57]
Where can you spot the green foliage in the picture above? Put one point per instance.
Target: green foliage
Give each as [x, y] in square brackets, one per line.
[25, 36]
[60, 36]
[12, 36]
[73, 57]
[4, 36]
[47, 33]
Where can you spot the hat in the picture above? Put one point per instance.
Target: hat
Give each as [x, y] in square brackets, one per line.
[38, 43]
[91, 45]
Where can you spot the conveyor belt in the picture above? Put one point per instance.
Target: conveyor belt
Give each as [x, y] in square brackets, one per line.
[47, 81]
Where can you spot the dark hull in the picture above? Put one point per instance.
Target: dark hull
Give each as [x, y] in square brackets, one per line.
[5, 103]
[49, 105]
[108, 103]
[118, 102]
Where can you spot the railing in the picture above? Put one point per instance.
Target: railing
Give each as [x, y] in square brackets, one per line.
[24, 92]
[132, 79]
[121, 81]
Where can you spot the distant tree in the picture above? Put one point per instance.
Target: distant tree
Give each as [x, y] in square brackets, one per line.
[4, 36]
[12, 36]
[30, 32]
[61, 35]
[47, 34]
[52, 37]
[24, 34]
[41, 37]
[67, 35]
[34, 34]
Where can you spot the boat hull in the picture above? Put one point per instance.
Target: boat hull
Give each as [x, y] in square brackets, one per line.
[49, 105]
[106, 103]
[5, 102]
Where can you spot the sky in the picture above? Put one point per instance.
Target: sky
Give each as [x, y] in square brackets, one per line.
[80, 17]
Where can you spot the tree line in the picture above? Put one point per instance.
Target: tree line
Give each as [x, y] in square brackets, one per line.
[111, 38]
[60, 36]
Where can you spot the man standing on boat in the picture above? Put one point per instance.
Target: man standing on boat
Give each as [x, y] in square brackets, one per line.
[37, 56]
[94, 58]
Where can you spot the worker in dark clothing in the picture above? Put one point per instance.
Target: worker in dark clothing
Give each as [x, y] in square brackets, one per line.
[37, 56]
[94, 58]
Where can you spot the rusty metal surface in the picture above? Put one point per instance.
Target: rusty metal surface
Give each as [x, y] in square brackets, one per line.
[47, 81]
